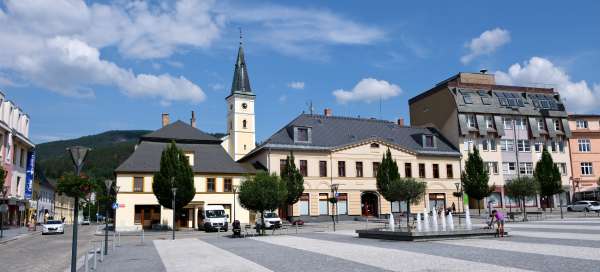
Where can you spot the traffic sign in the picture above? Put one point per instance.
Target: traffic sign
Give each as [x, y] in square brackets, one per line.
[115, 205]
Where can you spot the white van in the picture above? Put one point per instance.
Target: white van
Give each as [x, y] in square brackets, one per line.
[212, 218]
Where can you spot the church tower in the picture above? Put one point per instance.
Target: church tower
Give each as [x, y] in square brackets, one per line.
[240, 111]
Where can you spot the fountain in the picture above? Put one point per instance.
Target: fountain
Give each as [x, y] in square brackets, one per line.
[434, 221]
[468, 217]
[450, 221]
[392, 224]
[419, 222]
[443, 219]
[426, 219]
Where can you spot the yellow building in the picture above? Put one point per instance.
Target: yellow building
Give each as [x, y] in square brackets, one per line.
[63, 206]
[347, 151]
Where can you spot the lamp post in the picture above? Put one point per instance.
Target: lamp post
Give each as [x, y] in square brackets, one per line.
[3, 207]
[108, 184]
[78, 154]
[235, 190]
[458, 193]
[174, 190]
[334, 189]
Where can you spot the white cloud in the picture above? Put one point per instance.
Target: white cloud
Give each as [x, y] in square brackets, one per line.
[298, 85]
[578, 95]
[217, 87]
[486, 43]
[368, 90]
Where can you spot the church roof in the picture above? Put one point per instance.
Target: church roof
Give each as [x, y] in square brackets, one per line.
[180, 132]
[241, 82]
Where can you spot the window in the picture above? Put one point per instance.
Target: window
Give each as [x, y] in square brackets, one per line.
[468, 144]
[323, 204]
[561, 145]
[556, 124]
[584, 145]
[22, 159]
[227, 185]
[488, 144]
[492, 167]
[341, 168]
[436, 170]
[374, 145]
[471, 121]
[304, 168]
[586, 169]
[540, 124]
[508, 168]
[244, 124]
[507, 145]
[449, 171]
[562, 168]
[429, 141]
[467, 97]
[489, 121]
[526, 168]
[553, 145]
[190, 157]
[421, 170]
[302, 134]
[507, 123]
[538, 146]
[210, 184]
[375, 169]
[322, 168]
[303, 203]
[359, 169]
[408, 170]
[520, 123]
[342, 204]
[138, 184]
[582, 123]
[523, 146]
[282, 165]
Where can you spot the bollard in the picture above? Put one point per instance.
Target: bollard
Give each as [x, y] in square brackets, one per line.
[119, 244]
[101, 247]
[95, 258]
[142, 236]
[86, 262]
[297, 227]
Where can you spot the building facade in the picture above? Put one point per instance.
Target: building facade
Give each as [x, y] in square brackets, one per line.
[62, 208]
[510, 125]
[585, 152]
[16, 152]
[347, 152]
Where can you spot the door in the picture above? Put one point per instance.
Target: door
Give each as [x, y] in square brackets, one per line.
[184, 218]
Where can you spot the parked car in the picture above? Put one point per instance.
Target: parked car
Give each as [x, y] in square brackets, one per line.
[298, 222]
[86, 221]
[212, 218]
[53, 226]
[585, 206]
[272, 220]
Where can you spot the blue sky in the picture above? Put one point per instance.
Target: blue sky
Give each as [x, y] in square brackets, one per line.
[80, 68]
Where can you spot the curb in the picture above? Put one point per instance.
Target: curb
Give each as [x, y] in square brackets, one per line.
[17, 237]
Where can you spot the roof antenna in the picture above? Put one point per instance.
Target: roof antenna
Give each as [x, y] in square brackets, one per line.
[310, 107]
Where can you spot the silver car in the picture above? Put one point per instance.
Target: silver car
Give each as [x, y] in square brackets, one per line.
[53, 226]
[585, 206]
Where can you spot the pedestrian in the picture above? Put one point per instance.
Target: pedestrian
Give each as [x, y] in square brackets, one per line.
[63, 219]
[453, 208]
[499, 216]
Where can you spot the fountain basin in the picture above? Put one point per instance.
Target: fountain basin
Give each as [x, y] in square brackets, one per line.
[425, 235]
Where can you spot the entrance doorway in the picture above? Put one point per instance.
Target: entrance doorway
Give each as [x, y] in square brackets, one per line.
[369, 202]
[147, 215]
[184, 218]
[437, 201]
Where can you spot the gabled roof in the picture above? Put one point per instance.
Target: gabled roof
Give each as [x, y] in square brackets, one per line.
[180, 132]
[334, 132]
[208, 158]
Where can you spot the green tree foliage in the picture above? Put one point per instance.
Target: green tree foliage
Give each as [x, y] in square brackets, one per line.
[411, 191]
[74, 186]
[175, 170]
[520, 189]
[387, 176]
[548, 177]
[263, 192]
[293, 180]
[2, 177]
[475, 178]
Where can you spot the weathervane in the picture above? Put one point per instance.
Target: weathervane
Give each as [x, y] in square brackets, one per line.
[241, 36]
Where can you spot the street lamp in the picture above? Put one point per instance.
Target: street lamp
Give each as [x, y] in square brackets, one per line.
[108, 184]
[235, 190]
[174, 190]
[458, 193]
[334, 189]
[78, 154]
[3, 209]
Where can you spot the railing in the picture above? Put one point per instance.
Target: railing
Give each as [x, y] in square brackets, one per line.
[95, 251]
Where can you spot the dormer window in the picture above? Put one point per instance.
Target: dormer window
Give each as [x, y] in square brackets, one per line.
[471, 121]
[374, 145]
[582, 124]
[467, 97]
[302, 135]
[428, 141]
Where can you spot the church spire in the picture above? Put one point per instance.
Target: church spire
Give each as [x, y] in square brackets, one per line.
[241, 82]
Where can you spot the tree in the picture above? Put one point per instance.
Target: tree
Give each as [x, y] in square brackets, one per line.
[175, 171]
[475, 178]
[387, 176]
[2, 177]
[293, 180]
[74, 186]
[263, 192]
[520, 189]
[548, 177]
[411, 191]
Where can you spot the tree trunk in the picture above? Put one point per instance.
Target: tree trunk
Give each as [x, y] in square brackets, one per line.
[524, 211]
[548, 200]
[262, 223]
[479, 206]
[408, 214]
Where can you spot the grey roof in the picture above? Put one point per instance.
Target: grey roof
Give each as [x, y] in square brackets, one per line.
[180, 132]
[331, 132]
[208, 158]
[241, 82]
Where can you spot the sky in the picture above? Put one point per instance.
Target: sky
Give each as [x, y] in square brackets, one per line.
[84, 67]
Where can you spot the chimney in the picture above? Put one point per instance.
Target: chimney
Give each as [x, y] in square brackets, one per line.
[401, 122]
[193, 120]
[328, 112]
[165, 119]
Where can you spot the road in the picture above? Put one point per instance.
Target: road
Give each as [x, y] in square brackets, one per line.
[46, 253]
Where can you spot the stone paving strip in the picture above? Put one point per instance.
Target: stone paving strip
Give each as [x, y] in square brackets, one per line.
[195, 255]
[384, 258]
[556, 235]
[558, 226]
[555, 250]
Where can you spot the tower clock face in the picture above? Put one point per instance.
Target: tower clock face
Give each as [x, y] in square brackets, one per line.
[244, 105]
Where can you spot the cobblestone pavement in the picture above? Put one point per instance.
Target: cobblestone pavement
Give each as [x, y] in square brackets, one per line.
[549, 245]
[35, 252]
